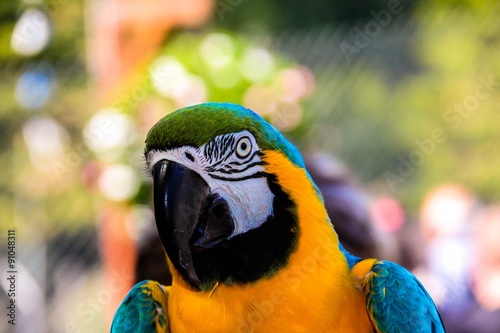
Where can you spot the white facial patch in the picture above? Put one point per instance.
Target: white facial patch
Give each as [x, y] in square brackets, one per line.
[250, 202]
[231, 165]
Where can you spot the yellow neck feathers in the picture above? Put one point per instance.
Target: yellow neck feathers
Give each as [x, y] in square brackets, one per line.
[315, 292]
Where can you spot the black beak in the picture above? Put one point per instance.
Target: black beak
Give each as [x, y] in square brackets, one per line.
[189, 218]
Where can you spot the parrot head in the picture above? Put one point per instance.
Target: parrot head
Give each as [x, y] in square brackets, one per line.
[222, 212]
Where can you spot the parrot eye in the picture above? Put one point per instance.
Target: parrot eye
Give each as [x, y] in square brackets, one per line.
[243, 147]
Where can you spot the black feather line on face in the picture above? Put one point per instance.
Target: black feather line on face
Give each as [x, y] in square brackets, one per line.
[229, 169]
[255, 175]
[256, 254]
[219, 149]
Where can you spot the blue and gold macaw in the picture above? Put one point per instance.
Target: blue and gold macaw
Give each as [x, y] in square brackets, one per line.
[249, 242]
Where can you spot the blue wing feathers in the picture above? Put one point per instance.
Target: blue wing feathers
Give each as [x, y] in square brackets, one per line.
[398, 302]
[138, 312]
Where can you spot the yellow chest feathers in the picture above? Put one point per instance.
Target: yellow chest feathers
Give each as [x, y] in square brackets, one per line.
[315, 292]
[304, 298]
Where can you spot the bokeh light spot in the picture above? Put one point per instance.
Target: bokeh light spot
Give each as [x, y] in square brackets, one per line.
[45, 139]
[34, 86]
[31, 33]
[257, 64]
[108, 133]
[217, 50]
[119, 182]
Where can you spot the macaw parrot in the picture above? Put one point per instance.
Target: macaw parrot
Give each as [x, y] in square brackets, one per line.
[249, 243]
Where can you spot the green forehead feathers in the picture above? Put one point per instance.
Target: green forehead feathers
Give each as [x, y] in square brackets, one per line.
[198, 124]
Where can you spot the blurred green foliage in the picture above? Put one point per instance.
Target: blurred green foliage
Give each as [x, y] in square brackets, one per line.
[387, 126]
[28, 197]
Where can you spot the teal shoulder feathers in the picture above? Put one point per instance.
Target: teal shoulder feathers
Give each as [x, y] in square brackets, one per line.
[144, 310]
[397, 301]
